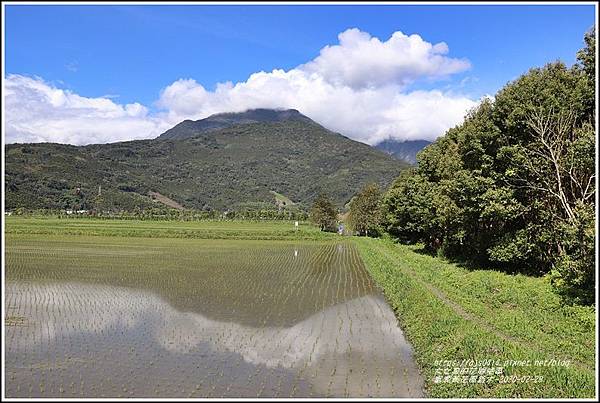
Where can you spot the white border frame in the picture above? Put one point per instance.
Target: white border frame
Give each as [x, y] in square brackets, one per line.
[289, 3]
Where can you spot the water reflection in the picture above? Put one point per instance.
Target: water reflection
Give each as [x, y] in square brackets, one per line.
[282, 321]
[353, 348]
[252, 283]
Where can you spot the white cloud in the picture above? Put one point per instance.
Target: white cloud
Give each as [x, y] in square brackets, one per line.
[361, 60]
[324, 338]
[39, 112]
[368, 114]
[72, 66]
[358, 87]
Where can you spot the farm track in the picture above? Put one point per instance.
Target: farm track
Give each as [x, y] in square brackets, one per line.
[460, 311]
[134, 317]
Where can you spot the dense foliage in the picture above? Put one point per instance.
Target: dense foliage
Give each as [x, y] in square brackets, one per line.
[514, 185]
[324, 213]
[365, 211]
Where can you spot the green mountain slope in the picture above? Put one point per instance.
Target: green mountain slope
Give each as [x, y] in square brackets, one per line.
[217, 169]
[190, 128]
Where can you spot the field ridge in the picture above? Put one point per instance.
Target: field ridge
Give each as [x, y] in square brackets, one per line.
[480, 321]
[438, 332]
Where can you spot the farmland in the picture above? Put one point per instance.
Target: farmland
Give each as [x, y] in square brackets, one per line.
[110, 308]
[121, 315]
[206, 229]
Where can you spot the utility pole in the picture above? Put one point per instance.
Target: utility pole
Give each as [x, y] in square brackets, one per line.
[99, 190]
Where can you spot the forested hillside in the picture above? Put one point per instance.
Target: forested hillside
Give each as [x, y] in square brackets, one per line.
[228, 168]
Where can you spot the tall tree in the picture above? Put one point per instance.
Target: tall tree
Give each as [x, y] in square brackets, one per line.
[513, 186]
[324, 213]
[365, 212]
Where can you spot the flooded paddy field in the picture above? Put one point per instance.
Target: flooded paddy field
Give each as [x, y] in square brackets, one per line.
[101, 316]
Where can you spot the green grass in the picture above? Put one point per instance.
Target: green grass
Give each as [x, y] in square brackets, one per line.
[208, 229]
[452, 313]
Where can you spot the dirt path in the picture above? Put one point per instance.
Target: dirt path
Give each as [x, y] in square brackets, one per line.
[460, 311]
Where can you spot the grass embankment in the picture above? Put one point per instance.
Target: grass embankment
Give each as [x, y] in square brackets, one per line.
[207, 229]
[452, 313]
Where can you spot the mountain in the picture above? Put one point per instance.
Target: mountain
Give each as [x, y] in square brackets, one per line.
[284, 157]
[403, 150]
[189, 128]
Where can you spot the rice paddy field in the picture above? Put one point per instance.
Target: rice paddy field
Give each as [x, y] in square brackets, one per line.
[128, 308]
[147, 309]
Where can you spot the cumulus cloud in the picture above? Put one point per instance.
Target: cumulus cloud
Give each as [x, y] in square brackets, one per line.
[368, 115]
[36, 111]
[359, 87]
[361, 60]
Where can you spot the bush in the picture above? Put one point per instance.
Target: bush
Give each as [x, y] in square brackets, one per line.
[573, 274]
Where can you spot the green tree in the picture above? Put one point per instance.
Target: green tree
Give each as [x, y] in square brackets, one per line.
[365, 211]
[324, 213]
[573, 274]
[587, 55]
[513, 186]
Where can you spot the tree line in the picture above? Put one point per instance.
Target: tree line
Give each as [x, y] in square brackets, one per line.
[512, 187]
[169, 214]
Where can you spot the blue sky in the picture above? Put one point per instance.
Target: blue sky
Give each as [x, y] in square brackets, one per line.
[131, 53]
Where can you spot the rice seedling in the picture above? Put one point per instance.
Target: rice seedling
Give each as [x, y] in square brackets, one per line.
[101, 314]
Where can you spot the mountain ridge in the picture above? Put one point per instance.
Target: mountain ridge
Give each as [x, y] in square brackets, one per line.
[219, 168]
[189, 128]
[405, 150]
